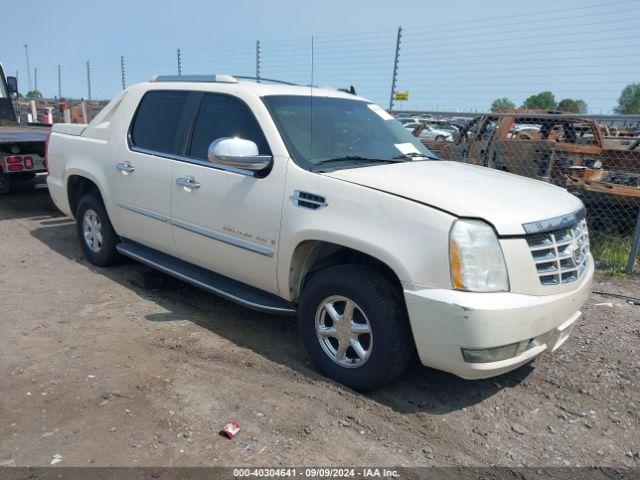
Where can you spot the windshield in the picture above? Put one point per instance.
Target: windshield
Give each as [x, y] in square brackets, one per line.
[341, 132]
[3, 94]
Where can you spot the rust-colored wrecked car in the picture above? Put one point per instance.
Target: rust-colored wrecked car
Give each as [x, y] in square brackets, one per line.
[551, 146]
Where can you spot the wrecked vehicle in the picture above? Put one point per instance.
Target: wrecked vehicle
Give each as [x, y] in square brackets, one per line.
[548, 145]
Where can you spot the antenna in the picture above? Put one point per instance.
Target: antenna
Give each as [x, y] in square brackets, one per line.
[311, 106]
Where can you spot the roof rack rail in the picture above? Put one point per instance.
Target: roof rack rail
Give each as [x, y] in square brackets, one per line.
[214, 79]
[268, 80]
[194, 78]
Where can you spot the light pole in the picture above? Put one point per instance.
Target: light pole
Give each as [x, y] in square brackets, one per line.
[26, 52]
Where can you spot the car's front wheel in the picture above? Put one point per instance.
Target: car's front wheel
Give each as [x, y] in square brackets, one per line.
[354, 324]
[97, 237]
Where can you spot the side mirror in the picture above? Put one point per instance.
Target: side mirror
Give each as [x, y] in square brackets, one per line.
[238, 153]
[12, 85]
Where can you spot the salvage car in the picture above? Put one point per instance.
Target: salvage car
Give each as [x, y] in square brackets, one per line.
[551, 146]
[317, 203]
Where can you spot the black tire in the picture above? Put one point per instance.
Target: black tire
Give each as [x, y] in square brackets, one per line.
[5, 183]
[106, 254]
[392, 346]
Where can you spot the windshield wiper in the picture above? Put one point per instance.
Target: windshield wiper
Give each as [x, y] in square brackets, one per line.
[412, 155]
[357, 158]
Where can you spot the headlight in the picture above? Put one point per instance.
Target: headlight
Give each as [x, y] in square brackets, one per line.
[476, 259]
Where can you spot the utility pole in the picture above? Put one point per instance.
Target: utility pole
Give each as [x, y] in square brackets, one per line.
[258, 61]
[124, 81]
[179, 63]
[394, 79]
[89, 80]
[59, 82]
[35, 78]
[26, 52]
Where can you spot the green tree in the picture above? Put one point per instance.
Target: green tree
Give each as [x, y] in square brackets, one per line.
[629, 101]
[572, 106]
[34, 94]
[582, 107]
[543, 100]
[500, 104]
[568, 105]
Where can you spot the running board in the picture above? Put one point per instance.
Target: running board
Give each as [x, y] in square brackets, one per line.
[225, 287]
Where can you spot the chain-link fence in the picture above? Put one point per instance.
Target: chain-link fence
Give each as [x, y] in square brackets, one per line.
[573, 151]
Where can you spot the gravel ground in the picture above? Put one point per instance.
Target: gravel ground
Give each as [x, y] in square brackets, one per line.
[127, 366]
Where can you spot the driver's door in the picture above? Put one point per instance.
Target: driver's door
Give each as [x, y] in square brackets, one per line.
[224, 220]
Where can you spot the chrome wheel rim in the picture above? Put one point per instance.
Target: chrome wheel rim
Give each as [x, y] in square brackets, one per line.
[92, 230]
[344, 331]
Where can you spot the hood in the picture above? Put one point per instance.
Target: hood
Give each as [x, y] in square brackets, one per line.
[502, 199]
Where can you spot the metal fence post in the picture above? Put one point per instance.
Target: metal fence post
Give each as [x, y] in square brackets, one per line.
[395, 69]
[179, 63]
[122, 74]
[89, 81]
[634, 246]
[59, 82]
[258, 61]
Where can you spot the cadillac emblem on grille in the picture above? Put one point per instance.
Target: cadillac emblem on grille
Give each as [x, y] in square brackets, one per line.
[575, 253]
[560, 256]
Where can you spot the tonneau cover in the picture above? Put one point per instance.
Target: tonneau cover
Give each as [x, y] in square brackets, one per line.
[69, 128]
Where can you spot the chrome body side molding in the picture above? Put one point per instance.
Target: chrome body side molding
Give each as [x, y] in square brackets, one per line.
[223, 237]
[205, 232]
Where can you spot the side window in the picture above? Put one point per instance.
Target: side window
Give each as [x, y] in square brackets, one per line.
[224, 116]
[157, 120]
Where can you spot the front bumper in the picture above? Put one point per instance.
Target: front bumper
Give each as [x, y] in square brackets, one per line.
[446, 321]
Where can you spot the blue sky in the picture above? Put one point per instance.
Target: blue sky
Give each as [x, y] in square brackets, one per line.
[455, 55]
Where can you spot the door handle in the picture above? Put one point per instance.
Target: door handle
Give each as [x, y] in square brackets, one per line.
[188, 183]
[125, 167]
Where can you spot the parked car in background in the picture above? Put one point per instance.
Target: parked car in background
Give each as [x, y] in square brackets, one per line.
[407, 120]
[329, 210]
[429, 131]
[411, 126]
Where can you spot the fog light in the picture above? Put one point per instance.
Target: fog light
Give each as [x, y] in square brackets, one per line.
[494, 354]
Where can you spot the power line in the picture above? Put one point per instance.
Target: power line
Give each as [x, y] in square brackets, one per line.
[529, 14]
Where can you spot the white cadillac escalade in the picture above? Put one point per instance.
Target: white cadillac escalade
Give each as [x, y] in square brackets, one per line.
[310, 201]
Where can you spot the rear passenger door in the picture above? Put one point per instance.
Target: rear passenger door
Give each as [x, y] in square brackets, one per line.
[230, 223]
[142, 175]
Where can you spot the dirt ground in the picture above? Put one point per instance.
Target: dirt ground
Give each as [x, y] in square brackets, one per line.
[127, 366]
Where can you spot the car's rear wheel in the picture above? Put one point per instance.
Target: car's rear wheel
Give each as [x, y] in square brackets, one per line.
[354, 324]
[97, 237]
[5, 183]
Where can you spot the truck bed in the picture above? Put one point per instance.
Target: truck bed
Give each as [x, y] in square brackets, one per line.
[22, 133]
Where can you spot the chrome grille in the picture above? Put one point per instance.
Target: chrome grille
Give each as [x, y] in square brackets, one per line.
[560, 256]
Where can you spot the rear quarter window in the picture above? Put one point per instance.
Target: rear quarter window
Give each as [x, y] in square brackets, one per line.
[156, 122]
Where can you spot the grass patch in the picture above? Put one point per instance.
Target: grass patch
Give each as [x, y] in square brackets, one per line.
[611, 253]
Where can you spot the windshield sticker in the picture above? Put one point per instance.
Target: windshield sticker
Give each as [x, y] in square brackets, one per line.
[406, 148]
[380, 111]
